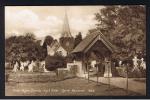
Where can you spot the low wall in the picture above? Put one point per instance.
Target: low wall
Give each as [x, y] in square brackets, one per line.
[30, 77]
[60, 74]
[79, 68]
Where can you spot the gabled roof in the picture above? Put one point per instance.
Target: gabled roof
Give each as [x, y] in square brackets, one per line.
[90, 39]
[55, 45]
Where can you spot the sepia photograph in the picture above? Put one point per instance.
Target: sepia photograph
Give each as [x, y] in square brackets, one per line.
[75, 50]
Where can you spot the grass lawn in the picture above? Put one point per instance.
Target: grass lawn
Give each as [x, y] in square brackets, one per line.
[68, 87]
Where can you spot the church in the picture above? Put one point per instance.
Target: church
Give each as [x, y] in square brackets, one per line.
[66, 42]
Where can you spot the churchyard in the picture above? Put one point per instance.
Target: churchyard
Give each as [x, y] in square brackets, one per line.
[66, 83]
[110, 60]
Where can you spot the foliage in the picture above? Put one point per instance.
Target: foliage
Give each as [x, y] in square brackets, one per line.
[78, 39]
[124, 26]
[54, 62]
[23, 48]
[47, 41]
[122, 71]
[67, 43]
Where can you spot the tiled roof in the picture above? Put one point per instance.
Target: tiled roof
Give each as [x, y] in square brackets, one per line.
[81, 47]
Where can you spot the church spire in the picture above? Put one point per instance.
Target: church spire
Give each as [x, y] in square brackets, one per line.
[66, 29]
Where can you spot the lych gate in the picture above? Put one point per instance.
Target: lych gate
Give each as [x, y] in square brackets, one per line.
[94, 49]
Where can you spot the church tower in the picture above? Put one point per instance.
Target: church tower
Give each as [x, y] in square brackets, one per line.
[66, 40]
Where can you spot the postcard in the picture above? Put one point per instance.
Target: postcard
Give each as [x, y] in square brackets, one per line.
[90, 50]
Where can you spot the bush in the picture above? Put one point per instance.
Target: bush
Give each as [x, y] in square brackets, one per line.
[54, 62]
[122, 71]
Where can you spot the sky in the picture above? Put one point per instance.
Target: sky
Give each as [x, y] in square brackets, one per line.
[48, 20]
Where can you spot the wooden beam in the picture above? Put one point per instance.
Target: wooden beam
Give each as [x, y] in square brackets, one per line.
[107, 45]
[96, 39]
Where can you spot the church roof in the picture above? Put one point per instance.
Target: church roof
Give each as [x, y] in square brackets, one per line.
[89, 39]
[55, 45]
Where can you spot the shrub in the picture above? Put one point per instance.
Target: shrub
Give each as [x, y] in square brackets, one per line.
[54, 62]
[122, 71]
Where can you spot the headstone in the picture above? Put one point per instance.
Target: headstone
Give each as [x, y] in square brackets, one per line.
[15, 69]
[26, 63]
[107, 72]
[135, 64]
[22, 66]
[30, 67]
[143, 64]
[44, 69]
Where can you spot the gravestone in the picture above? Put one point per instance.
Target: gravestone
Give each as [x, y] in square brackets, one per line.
[107, 72]
[143, 64]
[15, 69]
[135, 64]
[30, 67]
[42, 65]
[22, 66]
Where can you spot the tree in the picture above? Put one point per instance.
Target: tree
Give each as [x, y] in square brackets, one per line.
[22, 48]
[67, 43]
[107, 18]
[47, 41]
[78, 39]
[124, 26]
